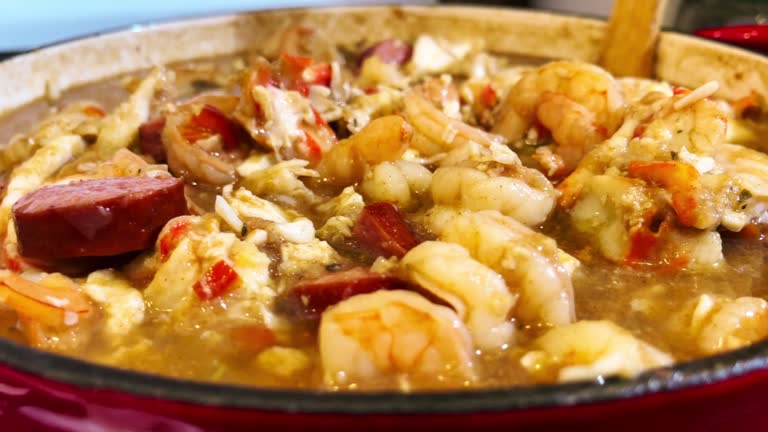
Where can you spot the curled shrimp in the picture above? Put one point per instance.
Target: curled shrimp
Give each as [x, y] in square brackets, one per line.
[477, 177]
[438, 133]
[723, 324]
[389, 333]
[202, 159]
[383, 139]
[637, 89]
[477, 293]
[591, 349]
[469, 188]
[530, 262]
[688, 120]
[580, 104]
[401, 182]
[667, 164]
[573, 127]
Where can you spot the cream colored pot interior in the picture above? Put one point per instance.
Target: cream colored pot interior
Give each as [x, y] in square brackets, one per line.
[681, 60]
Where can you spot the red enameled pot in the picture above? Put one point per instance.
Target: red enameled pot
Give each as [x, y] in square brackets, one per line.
[43, 391]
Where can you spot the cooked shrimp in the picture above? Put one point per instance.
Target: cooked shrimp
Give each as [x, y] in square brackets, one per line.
[440, 133]
[573, 127]
[579, 103]
[389, 333]
[400, 182]
[477, 293]
[191, 159]
[442, 92]
[383, 139]
[280, 119]
[636, 89]
[699, 125]
[745, 171]
[591, 349]
[530, 262]
[521, 193]
[663, 165]
[724, 324]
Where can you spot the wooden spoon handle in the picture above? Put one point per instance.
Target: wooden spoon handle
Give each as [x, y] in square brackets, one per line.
[629, 46]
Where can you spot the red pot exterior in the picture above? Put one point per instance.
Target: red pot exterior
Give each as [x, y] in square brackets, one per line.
[32, 403]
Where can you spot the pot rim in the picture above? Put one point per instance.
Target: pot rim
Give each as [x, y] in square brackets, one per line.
[70, 370]
[89, 375]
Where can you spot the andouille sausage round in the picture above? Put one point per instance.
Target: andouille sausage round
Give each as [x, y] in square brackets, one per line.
[101, 217]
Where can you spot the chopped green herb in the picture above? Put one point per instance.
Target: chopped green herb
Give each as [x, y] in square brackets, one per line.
[244, 230]
[673, 155]
[744, 196]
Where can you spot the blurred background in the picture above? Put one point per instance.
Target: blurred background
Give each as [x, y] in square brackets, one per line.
[26, 24]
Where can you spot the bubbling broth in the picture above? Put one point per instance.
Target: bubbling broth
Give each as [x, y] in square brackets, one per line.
[411, 216]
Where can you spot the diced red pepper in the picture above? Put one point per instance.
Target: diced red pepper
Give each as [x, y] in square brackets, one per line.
[298, 73]
[383, 230]
[263, 75]
[642, 245]
[679, 178]
[315, 136]
[318, 74]
[744, 105]
[488, 96]
[315, 151]
[94, 111]
[319, 120]
[169, 241]
[677, 90]
[14, 265]
[216, 281]
[210, 121]
[307, 300]
[600, 129]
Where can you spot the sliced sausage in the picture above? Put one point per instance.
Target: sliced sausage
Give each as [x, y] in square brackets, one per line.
[390, 51]
[150, 137]
[307, 300]
[102, 217]
[383, 231]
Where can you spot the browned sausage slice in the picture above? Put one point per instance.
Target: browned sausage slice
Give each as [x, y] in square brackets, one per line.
[150, 137]
[307, 300]
[101, 217]
[390, 51]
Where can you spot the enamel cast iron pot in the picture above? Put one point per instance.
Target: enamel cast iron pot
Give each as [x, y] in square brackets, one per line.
[43, 391]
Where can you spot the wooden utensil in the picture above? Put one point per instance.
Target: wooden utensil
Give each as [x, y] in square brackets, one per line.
[630, 40]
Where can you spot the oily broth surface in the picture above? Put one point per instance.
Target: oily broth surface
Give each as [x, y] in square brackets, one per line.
[645, 302]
